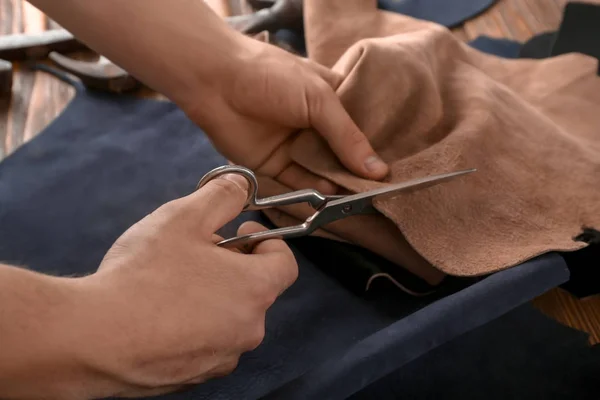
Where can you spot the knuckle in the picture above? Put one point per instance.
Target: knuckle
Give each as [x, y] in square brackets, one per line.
[164, 217]
[168, 209]
[257, 285]
[269, 296]
[290, 266]
[263, 293]
[356, 138]
[293, 273]
[267, 288]
[225, 368]
[175, 214]
[322, 86]
[225, 187]
[229, 366]
[255, 337]
[319, 96]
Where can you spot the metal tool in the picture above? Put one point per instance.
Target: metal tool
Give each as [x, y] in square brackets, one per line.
[270, 16]
[36, 46]
[328, 208]
[101, 75]
[6, 78]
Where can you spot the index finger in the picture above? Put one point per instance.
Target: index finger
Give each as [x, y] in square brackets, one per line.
[274, 257]
[329, 117]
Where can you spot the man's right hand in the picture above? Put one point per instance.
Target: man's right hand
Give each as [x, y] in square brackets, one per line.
[179, 309]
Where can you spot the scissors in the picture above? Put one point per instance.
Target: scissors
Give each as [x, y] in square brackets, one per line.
[327, 208]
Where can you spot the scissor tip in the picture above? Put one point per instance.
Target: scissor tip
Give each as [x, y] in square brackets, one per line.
[464, 171]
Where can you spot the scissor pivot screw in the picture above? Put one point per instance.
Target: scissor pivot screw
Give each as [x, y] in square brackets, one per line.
[347, 208]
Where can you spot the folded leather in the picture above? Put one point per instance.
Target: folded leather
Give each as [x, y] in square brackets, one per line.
[431, 104]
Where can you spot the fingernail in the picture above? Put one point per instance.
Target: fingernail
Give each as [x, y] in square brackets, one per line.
[375, 164]
[238, 180]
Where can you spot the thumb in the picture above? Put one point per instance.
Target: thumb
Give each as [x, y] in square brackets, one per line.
[328, 116]
[219, 201]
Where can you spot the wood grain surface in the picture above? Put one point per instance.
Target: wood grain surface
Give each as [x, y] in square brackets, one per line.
[38, 98]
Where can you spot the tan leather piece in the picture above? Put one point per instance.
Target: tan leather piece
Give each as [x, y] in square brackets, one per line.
[431, 104]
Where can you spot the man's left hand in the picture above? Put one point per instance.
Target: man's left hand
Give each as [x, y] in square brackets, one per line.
[271, 94]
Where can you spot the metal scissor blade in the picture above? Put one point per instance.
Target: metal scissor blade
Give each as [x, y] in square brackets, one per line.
[395, 189]
[339, 208]
[362, 203]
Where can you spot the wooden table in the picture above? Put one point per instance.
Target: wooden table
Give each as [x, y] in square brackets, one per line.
[38, 98]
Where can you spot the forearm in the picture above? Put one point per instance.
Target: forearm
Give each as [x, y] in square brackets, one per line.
[40, 321]
[172, 46]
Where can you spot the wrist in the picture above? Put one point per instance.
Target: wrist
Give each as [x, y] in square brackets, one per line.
[97, 334]
[179, 48]
[208, 88]
[43, 336]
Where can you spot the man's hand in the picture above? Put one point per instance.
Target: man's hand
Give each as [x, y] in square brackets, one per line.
[167, 307]
[267, 97]
[249, 96]
[184, 308]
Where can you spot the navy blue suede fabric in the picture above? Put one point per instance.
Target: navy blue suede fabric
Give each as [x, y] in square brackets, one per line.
[444, 12]
[578, 30]
[505, 48]
[522, 355]
[538, 46]
[413, 336]
[107, 161]
[449, 13]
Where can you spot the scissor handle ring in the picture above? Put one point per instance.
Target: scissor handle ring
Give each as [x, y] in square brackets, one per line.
[234, 169]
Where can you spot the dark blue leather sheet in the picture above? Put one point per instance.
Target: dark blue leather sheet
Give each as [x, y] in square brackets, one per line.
[449, 13]
[107, 161]
[522, 355]
[444, 12]
[504, 48]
